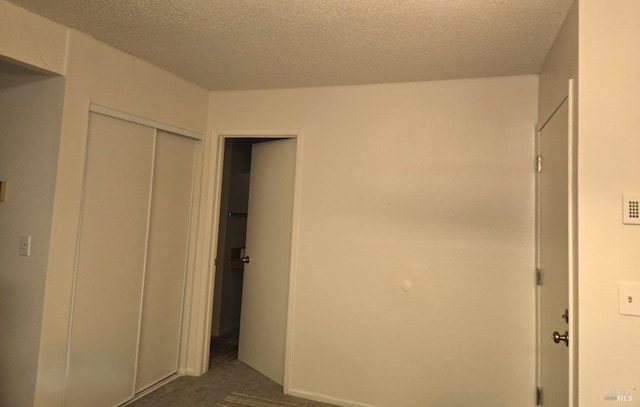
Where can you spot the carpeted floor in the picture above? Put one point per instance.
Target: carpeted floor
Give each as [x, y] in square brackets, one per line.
[225, 376]
[244, 400]
[224, 349]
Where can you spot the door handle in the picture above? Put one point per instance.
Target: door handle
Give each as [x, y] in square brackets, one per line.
[557, 337]
[246, 259]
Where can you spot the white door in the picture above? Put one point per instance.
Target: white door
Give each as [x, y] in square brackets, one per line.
[111, 258]
[265, 291]
[553, 259]
[132, 258]
[166, 263]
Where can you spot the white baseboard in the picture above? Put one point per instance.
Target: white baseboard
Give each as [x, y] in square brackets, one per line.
[326, 399]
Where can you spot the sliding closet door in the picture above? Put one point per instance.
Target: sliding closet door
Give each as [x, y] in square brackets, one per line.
[111, 259]
[166, 259]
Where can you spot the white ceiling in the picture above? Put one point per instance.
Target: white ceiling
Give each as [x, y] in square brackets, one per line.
[256, 44]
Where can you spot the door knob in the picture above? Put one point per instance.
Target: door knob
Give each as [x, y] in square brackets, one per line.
[557, 337]
[246, 259]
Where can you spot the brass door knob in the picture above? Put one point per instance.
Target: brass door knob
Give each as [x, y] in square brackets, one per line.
[557, 338]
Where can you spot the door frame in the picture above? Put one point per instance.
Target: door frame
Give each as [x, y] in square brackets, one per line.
[572, 213]
[93, 108]
[199, 302]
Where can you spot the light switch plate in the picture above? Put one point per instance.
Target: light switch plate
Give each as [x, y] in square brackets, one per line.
[25, 245]
[629, 298]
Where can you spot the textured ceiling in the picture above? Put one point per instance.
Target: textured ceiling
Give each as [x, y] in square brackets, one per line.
[254, 44]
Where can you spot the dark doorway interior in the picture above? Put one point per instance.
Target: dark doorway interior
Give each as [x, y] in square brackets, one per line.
[232, 232]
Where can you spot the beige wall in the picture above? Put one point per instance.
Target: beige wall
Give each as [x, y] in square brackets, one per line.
[30, 116]
[560, 65]
[608, 167]
[97, 73]
[32, 40]
[423, 185]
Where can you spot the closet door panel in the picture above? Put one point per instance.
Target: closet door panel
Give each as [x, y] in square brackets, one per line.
[166, 259]
[111, 258]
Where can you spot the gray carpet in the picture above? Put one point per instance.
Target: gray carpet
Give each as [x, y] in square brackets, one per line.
[221, 380]
[225, 350]
[245, 400]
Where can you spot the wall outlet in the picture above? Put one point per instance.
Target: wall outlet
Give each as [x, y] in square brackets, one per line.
[629, 298]
[631, 209]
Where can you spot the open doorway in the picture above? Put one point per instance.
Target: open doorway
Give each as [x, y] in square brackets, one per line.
[250, 305]
[232, 233]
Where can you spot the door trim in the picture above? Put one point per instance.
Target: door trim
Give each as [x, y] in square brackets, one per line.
[195, 351]
[573, 242]
[128, 117]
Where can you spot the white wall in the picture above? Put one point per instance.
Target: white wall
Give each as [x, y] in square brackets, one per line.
[560, 65]
[30, 116]
[609, 252]
[97, 73]
[429, 185]
[30, 39]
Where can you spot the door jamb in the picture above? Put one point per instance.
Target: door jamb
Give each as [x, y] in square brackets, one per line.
[194, 359]
[573, 242]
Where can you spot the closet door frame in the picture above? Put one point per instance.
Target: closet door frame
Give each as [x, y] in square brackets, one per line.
[192, 235]
[116, 114]
[195, 237]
